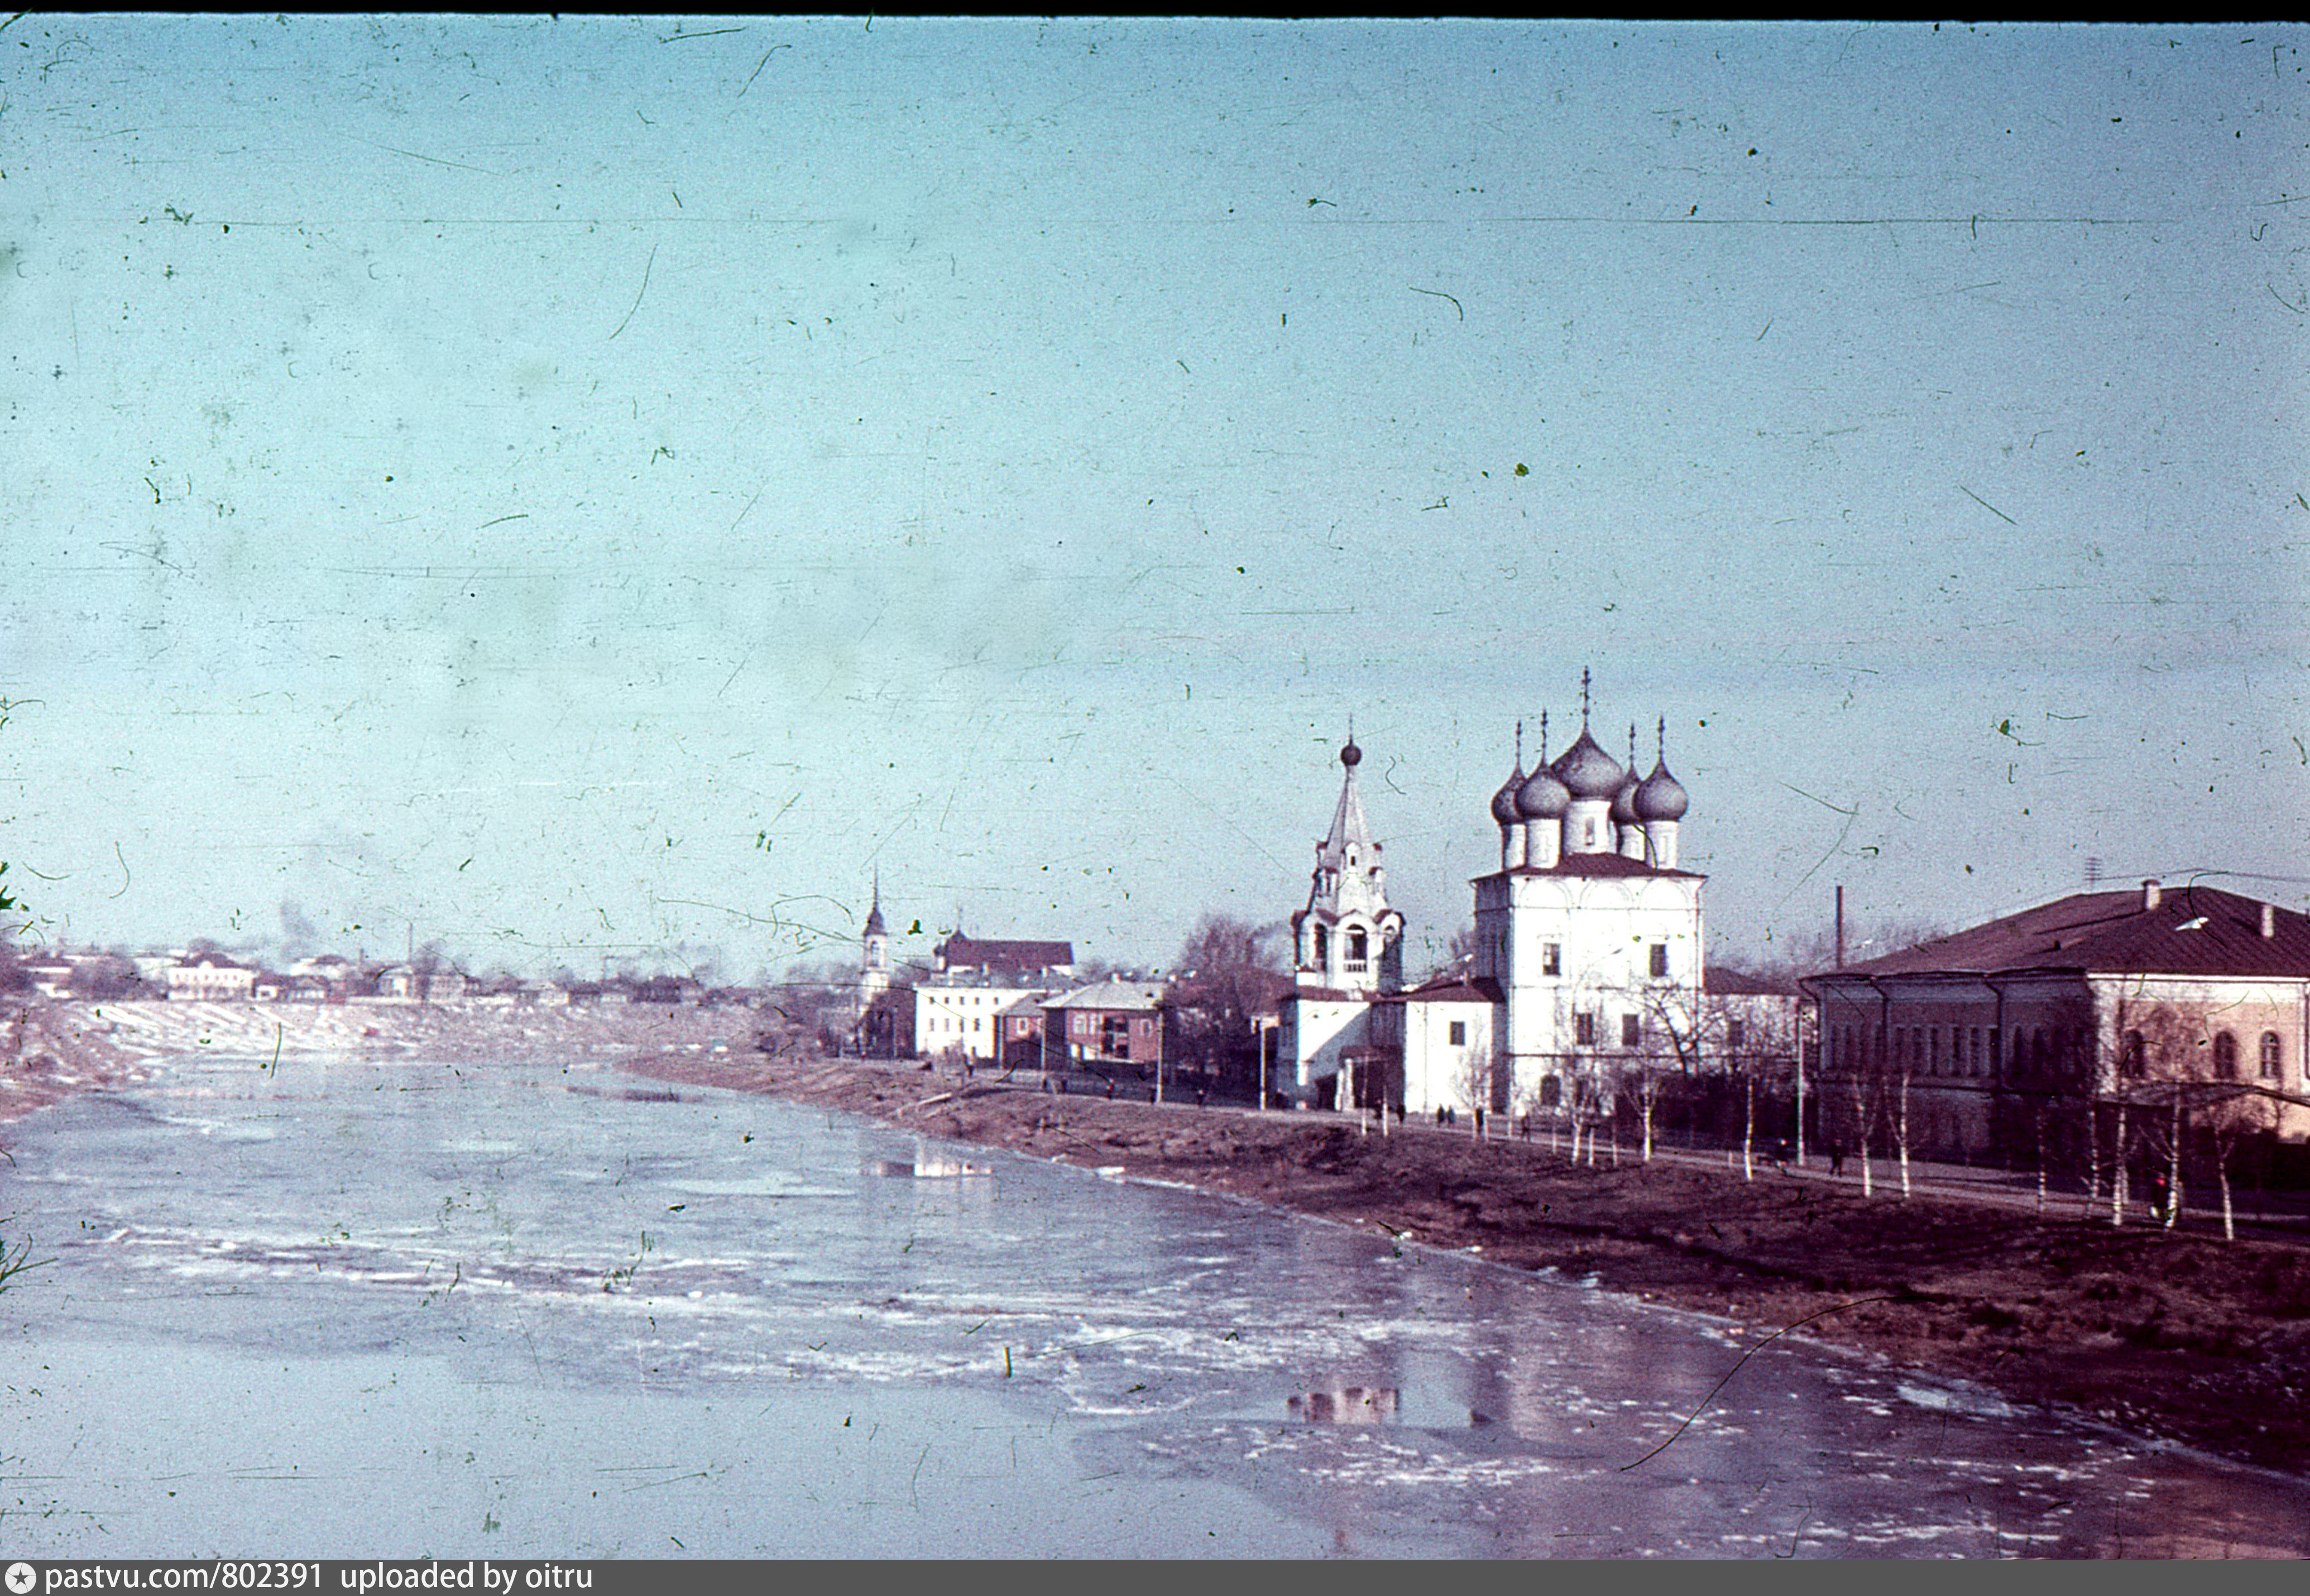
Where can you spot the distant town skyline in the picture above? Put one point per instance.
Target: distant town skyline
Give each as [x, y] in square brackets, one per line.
[590, 485]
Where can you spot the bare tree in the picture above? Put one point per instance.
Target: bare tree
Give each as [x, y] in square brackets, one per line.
[1471, 1083]
[1226, 971]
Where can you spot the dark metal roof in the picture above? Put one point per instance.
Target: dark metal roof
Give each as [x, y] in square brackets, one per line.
[988, 953]
[2194, 931]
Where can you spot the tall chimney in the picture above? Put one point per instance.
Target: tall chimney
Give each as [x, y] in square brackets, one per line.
[2150, 897]
[2268, 921]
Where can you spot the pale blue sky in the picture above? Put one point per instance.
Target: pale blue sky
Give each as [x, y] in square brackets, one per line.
[590, 484]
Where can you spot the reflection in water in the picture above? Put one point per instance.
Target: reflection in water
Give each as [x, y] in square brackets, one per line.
[1349, 1404]
[484, 1301]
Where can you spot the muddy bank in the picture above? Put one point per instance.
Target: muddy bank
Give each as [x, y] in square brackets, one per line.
[2185, 1338]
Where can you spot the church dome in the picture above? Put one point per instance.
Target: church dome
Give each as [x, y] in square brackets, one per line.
[1504, 801]
[1541, 797]
[1661, 797]
[1624, 802]
[1587, 771]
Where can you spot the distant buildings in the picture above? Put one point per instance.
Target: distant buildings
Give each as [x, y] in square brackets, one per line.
[1106, 1024]
[209, 978]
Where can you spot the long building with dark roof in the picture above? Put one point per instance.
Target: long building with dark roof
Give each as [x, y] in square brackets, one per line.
[2019, 1039]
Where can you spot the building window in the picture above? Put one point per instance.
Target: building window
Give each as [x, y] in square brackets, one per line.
[1459, 1033]
[1356, 944]
[1322, 944]
[2273, 1056]
[2225, 1056]
[1551, 958]
[1735, 1033]
[1632, 1029]
[1583, 1030]
[1660, 958]
[2129, 1055]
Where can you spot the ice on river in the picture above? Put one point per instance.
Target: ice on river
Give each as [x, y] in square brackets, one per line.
[316, 1308]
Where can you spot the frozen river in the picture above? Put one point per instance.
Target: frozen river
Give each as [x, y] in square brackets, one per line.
[356, 1309]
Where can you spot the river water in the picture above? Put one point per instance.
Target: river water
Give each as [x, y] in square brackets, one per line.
[318, 1308]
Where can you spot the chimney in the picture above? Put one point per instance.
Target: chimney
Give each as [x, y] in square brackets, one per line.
[2268, 921]
[2150, 895]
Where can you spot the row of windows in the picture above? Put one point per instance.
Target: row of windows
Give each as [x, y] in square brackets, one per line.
[1974, 1050]
[1552, 957]
[1584, 1029]
[2270, 1056]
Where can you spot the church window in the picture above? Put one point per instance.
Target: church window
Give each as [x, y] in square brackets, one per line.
[1358, 946]
[2225, 1056]
[1323, 946]
[1551, 958]
[1660, 958]
[1459, 1033]
[2273, 1056]
[1632, 1029]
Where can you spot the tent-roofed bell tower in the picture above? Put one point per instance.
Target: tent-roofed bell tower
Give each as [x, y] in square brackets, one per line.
[1347, 939]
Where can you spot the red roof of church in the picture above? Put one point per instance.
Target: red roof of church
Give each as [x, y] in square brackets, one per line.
[1598, 864]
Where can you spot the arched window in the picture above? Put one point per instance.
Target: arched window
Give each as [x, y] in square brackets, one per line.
[2225, 1056]
[1323, 946]
[1356, 944]
[2273, 1056]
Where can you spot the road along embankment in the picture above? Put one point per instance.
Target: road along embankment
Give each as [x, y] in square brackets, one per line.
[2185, 1338]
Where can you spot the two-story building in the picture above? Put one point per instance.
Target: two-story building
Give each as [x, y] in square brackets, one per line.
[1999, 1040]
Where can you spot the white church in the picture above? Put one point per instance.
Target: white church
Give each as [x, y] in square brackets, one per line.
[1587, 959]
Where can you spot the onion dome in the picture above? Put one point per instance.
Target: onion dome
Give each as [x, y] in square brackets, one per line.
[1624, 811]
[1661, 797]
[1504, 801]
[1542, 797]
[1351, 756]
[1586, 770]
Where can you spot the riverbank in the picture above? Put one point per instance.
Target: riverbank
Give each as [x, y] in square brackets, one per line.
[2188, 1338]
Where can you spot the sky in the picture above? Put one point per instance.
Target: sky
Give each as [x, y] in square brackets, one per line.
[604, 488]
